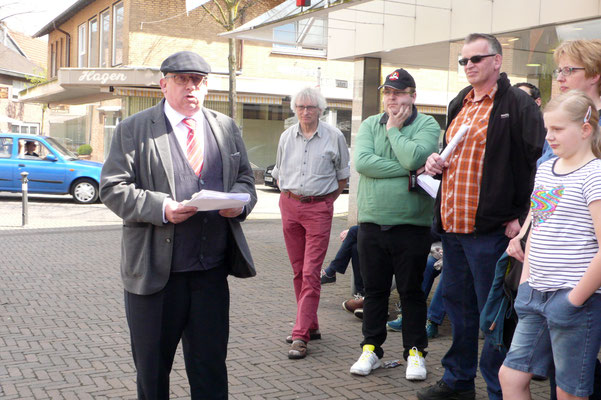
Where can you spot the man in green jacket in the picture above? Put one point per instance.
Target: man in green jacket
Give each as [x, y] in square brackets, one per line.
[394, 221]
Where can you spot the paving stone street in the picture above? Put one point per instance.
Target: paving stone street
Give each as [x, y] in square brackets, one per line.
[63, 333]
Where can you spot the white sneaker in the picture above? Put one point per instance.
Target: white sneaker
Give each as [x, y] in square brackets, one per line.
[416, 366]
[367, 362]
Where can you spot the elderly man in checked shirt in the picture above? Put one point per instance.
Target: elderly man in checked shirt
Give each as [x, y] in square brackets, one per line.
[312, 168]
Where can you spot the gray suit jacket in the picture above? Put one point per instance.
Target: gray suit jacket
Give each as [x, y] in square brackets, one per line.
[138, 175]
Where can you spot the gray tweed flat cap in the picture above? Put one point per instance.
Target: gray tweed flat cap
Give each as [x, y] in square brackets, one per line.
[185, 62]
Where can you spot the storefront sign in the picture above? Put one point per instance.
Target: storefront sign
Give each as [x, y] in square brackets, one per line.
[102, 77]
[139, 77]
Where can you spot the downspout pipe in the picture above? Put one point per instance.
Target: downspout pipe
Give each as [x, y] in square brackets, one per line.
[68, 58]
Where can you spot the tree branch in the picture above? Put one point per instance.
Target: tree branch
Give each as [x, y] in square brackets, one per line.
[223, 21]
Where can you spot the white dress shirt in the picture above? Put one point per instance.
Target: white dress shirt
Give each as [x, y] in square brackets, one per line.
[181, 134]
[181, 130]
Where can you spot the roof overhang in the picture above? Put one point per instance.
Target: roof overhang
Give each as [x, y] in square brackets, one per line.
[62, 17]
[17, 74]
[89, 85]
[261, 28]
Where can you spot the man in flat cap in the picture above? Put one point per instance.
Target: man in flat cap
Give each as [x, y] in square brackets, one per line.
[394, 221]
[175, 260]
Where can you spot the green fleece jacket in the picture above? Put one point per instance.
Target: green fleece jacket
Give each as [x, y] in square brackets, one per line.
[383, 159]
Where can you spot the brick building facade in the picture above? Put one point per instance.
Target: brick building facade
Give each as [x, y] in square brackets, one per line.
[95, 38]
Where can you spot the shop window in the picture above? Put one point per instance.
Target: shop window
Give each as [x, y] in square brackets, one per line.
[118, 34]
[255, 111]
[271, 112]
[105, 29]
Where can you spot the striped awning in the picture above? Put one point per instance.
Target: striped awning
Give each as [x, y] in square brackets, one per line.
[340, 104]
[246, 98]
[137, 92]
[431, 109]
[212, 96]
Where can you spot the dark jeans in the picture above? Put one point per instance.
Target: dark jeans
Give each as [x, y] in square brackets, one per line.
[469, 264]
[401, 251]
[348, 252]
[193, 306]
[436, 310]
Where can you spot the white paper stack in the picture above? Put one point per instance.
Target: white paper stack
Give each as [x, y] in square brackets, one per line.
[429, 184]
[207, 200]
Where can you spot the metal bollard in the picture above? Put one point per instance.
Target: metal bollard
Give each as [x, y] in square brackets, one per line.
[24, 190]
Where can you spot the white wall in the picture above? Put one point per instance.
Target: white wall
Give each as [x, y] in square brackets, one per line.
[382, 25]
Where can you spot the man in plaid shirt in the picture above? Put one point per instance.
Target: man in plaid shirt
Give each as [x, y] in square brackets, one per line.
[485, 193]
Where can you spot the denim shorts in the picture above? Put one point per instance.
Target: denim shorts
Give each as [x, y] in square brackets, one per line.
[554, 334]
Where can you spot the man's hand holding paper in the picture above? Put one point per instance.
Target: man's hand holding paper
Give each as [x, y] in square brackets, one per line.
[229, 203]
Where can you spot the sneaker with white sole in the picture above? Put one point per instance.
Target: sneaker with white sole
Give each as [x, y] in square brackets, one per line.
[416, 366]
[367, 362]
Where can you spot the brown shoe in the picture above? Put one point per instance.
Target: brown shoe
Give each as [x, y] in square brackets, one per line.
[313, 335]
[353, 304]
[298, 350]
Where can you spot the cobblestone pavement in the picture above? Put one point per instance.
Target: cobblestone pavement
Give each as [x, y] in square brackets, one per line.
[63, 333]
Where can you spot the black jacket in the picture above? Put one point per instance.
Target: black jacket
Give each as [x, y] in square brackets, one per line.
[514, 141]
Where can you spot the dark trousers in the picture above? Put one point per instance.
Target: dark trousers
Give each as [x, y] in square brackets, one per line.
[401, 251]
[469, 267]
[193, 306]
[348, 252]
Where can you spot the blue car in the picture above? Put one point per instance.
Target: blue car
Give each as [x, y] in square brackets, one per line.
[52, 168]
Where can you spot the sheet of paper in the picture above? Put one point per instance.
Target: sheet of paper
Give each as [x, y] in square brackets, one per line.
[207, 200]
[454, 142]
[429, 184]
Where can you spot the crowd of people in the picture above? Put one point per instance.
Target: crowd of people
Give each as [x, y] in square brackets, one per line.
[503, 185]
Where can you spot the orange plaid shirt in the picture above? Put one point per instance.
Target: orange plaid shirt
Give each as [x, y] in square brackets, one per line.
[461, 180]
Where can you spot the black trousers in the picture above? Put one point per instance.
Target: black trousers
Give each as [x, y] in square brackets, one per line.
[194, 307]
[402, 251]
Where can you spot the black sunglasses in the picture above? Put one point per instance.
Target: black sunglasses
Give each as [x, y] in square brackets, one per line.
[474, 59]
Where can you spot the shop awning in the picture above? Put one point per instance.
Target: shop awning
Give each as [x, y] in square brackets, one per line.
[89, 85]
[431, 109]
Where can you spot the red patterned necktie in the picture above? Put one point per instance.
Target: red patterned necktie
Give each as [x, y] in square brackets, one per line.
[193, 148]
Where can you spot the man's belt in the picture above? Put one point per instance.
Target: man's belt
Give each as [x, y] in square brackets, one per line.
[306, 199]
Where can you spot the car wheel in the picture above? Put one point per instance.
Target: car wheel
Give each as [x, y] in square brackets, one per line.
[85, 191]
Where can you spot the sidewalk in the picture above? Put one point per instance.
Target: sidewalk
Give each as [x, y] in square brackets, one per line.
[63, 332]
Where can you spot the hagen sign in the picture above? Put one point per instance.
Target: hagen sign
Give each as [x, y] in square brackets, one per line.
[102, 77]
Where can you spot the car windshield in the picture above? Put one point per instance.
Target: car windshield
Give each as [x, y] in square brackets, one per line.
[62, 150]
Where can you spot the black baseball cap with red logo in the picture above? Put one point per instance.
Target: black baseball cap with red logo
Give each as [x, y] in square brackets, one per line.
[399, 79]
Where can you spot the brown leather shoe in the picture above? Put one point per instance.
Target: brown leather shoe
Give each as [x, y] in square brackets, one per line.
[313, 335]
[298, 350]
[353, 304]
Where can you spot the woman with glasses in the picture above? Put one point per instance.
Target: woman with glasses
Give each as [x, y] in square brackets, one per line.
[578, 67]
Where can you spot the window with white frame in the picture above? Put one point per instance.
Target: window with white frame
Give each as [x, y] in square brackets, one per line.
[105, 36]
[118, 34]
[93, 43]
[81, 46]
[52, 60]
[17, 87]
[25, 127]
[304, 37]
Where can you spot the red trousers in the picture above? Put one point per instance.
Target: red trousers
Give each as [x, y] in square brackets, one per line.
[307, 235]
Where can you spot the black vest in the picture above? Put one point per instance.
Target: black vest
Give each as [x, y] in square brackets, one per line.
[200, 242]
